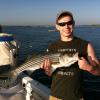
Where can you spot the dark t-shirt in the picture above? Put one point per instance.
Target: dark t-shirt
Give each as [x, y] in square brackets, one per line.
[66, 80]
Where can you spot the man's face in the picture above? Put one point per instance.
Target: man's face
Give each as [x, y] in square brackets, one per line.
[65, 26]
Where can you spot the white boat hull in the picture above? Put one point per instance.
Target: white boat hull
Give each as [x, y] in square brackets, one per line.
[28, 89]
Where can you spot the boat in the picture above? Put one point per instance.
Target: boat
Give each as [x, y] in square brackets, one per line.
[26, 85]
[26, 89]
[51, 30]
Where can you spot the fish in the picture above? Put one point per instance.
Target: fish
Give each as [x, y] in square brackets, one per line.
[58, 60]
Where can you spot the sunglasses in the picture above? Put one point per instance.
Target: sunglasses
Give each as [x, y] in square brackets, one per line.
[64, 23]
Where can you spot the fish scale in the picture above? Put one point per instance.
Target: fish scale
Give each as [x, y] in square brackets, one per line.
[58, 60]
[36, 61]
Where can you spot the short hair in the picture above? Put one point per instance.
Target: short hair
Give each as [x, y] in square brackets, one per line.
[63, 14]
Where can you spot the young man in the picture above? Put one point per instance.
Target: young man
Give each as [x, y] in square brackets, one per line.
[67, 86]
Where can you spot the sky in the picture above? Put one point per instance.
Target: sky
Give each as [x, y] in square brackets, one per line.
[43, 12]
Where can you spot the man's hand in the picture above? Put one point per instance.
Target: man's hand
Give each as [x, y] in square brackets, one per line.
[84, 64]
[46, 65]
[90, 66]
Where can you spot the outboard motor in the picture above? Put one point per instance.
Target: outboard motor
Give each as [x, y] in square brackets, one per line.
[9, 50]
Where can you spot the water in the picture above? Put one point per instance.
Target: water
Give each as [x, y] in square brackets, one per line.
[32, 39]
[35, 40]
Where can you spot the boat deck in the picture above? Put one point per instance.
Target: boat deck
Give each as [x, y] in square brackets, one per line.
[14, 93]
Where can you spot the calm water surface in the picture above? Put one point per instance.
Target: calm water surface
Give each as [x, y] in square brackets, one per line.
[35, 39]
